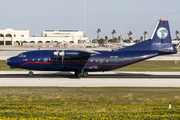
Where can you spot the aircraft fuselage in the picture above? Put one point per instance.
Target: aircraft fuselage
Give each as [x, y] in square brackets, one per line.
[105, 61]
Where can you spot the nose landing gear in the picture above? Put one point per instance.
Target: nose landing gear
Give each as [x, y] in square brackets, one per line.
[30, 73]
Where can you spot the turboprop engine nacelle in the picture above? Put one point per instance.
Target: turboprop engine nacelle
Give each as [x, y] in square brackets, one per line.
[66, 53]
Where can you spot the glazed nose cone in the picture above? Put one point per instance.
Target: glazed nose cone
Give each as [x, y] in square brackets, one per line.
[7, 61]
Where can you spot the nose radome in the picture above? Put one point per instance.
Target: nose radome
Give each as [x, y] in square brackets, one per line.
[6, 61]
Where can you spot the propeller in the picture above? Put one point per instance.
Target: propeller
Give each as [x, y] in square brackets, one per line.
[62, 53]
[57, 53]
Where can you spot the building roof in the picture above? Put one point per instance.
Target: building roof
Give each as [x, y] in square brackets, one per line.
[61, 30]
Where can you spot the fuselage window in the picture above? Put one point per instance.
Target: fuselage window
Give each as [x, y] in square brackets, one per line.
[45, 59]
[91, 60]
[96, 60]
[107, 60]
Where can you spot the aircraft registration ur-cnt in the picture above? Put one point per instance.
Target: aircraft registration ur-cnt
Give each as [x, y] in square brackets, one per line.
[84, 61]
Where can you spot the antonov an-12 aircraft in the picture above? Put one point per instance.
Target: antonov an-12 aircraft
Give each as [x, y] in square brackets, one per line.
[84, 61]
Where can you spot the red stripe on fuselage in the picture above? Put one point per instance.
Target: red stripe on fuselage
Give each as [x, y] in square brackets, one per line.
[88, 63]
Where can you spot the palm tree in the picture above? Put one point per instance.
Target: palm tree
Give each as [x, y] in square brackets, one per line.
[106, 37]
[177, 32]
[99, 30]
[145, 32]
[114, 31]
[130, 33]
[141, 38]
[119, 38]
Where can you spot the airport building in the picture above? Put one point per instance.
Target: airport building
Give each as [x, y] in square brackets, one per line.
[49, 37]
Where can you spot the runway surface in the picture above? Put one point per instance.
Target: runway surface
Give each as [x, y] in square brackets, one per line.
[95, 79]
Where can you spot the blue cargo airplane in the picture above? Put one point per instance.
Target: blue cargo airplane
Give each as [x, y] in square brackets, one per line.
[84, 61]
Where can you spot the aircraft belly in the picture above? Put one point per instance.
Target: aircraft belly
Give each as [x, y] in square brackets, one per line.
[56, 67]
[32, 66]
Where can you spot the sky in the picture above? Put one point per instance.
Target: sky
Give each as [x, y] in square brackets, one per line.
[121, 15]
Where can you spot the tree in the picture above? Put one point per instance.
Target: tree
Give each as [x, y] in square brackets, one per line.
[130, 38]
[114, 31]
[177, 38]
[101, 41]
[115, 39]
[177, 32]
[119, 38]
[141, 38]
[145, 32]
[106, 37]
[129, 34]
[126, 40]
[137, 41]
[99, 30]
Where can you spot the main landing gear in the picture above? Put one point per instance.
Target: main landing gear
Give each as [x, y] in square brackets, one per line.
[30, 73]
[79, 73]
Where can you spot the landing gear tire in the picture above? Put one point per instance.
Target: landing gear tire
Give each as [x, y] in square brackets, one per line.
[78, 73]
[30, 73]
[85, 74]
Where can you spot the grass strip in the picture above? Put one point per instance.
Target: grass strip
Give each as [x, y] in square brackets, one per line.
[89, 103]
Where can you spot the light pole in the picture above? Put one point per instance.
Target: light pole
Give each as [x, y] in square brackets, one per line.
[84, 19]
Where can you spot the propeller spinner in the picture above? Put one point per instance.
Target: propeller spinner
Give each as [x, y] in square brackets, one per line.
[57, 53]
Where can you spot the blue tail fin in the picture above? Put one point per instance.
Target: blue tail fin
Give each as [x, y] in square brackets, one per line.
[160, 40]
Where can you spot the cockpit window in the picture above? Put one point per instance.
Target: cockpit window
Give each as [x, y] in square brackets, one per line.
[21, 55]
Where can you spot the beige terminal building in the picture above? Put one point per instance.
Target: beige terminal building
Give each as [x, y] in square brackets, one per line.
[49, 37]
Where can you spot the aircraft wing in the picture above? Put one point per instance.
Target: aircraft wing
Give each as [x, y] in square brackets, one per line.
[86, 52]
[75, 53]
[89, 51]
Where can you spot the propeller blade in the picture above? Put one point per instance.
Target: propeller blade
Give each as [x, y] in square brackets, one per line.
[56, 53]
[62, 52]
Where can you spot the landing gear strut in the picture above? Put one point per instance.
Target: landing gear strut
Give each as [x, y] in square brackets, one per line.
[79, 73]
[30, 73]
